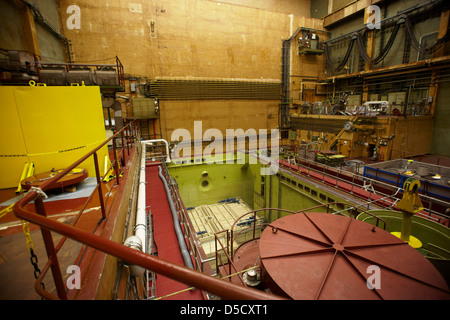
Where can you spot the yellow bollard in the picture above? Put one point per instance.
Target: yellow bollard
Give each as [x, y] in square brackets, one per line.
[23, 176]
[410, 204]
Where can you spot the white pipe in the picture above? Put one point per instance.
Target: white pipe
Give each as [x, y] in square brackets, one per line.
[138, 241]
[134, 242]
[141, 221]
[144, 142]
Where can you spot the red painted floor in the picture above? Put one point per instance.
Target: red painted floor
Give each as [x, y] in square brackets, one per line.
[341, 185]
[347, 187]
[165, 237]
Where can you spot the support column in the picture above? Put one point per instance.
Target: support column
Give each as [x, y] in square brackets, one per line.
[368, 66]
[443, 27]
[29, 28]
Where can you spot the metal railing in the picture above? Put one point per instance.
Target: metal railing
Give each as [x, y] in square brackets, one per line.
[194, 247]
[357, 181]
[183, 274]
[117, 68]
[127, 136]
[230, 236]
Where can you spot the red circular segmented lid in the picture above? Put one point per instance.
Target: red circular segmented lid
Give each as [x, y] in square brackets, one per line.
[73, 177]
[325, 256]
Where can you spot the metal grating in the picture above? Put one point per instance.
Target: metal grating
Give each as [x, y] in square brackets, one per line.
[214, 90]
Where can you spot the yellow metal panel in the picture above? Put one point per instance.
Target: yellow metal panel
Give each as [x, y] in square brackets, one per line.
[58, 126]
[12, 144]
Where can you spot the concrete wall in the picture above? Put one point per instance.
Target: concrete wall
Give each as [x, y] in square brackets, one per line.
[16, 33]
[319, 8]
[187, 39]
[181, 38]
[51, 47]
[12, 35]
[440, 141]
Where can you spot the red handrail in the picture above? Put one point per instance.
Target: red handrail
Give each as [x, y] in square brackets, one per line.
[180, 273]
[183, 274]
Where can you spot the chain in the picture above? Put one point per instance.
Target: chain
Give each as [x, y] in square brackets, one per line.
[29, 241]
[26, 232]
[30, 246]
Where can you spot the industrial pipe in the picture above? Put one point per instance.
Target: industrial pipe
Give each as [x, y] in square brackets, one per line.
[138, 240]
[141, 221]
[176, 224]
[149, 142]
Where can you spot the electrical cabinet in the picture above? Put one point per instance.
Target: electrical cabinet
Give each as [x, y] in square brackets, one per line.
[354, 100]
[145, 108]
[397, 98]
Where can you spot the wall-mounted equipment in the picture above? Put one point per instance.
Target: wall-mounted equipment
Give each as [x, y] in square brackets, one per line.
[145, 108]
[397, 98]
[309, 43]
[81, 75]
[54, 76]
[22, 60]
[106, 76]
[353, 100]
[19, 67]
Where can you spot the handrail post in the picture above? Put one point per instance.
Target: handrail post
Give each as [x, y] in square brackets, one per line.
[123, 152]
[116, 163]
[99, 186]
[231, 239]
[230, 257]
[215, 246]
[51, 252]
[127, 136]
[254, 225]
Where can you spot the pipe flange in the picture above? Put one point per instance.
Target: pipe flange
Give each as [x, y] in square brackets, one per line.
[252, 278]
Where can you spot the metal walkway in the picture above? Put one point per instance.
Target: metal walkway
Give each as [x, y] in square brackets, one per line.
[165, 240]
